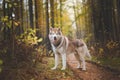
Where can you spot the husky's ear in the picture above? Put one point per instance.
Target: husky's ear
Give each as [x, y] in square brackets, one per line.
[59, 29]
[50, 29]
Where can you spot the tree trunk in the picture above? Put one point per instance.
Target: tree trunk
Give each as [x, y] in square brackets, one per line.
[47, 28]
[52, 12]
[30, 2]
[61, 14]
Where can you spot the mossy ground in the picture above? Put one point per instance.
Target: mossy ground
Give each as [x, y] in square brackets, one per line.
[113, 63]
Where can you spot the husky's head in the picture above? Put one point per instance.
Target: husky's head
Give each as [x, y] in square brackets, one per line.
[55, 35]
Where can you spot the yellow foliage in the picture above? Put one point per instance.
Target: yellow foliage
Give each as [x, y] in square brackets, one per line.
[111, 44]
[16, 23]
[29, 37]
[101, 50]
[86, 39]
[4, 19]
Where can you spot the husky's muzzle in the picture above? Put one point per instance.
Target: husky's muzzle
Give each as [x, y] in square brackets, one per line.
[55, 38]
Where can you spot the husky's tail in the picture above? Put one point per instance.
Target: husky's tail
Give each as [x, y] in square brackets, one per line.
[86, 51]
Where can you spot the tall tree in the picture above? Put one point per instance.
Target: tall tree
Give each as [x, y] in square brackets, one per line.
[52, 12]
[30, 2]
[47, 27]
[61, 14]
[21, 14]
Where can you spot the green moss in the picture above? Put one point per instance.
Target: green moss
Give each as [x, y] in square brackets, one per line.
[109, 62]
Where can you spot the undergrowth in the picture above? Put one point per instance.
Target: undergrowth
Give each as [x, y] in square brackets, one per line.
[113, 63]
[21, 65]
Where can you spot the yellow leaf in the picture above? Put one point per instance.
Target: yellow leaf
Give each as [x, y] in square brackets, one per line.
[1, 62]
[40, 40]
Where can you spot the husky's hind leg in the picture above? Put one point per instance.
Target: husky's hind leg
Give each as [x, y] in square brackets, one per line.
[83, 63]
[81, 60]
[78, 59]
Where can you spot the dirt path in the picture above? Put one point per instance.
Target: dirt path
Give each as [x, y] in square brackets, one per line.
[94, 72]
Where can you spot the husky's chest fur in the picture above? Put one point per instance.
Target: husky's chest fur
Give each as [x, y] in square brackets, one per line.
[62, 46]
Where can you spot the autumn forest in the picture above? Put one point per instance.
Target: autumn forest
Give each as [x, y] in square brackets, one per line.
[25, 50]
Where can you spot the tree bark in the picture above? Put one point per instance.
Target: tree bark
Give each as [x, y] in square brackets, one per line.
[31, 13]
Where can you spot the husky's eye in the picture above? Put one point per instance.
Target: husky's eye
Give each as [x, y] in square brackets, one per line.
[58, 33]
[50, 33]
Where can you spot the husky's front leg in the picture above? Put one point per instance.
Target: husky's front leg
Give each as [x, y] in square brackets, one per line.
[56, 61]
[63, 61]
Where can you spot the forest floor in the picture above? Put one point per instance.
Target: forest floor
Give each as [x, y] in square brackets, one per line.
[93, 72]
[45, 72]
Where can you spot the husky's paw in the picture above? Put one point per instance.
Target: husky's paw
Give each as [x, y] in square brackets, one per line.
[53, 68]
[63, 68]
[84, 69]
[78, 67]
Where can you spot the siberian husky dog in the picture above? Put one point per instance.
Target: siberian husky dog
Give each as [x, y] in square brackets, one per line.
[62, 46]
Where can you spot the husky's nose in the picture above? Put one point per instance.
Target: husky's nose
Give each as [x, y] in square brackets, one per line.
[55, 38]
